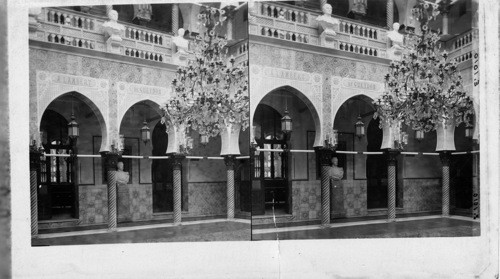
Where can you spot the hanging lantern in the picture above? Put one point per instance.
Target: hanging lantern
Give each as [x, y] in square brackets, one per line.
[189, 142]
[286, 123]
[73, 130]
[42, 141]
[145, 133]
[335, 137]
[469, 131]
[204, 140]
[121, 143]
[360, 127]
[419, 135]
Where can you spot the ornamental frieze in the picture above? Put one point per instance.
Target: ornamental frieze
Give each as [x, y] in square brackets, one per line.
[129, 94]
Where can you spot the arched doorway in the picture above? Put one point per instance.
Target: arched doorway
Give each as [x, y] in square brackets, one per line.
[273, 172]
[56, 194]
[369, 168]
[156, 173]
[60, 176]
[271, 166]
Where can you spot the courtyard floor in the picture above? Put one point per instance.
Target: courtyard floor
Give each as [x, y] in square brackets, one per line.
[240, 230]
[212, 230]
[430, 226]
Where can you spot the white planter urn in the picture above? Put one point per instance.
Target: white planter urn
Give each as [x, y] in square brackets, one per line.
[390, 133]
[176, 136]
[445, 136]
[230, 135]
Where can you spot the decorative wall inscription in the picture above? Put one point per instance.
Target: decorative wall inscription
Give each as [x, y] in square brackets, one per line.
[287, 74]
[345, 88]
[129, 94]
[361, 84]
[74, 80]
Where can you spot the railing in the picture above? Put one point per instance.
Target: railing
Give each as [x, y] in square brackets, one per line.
[240, 53]
[76, 29]
[284, 13]
[460, 47]
[463, 40]
[296, 24]
[361, 49]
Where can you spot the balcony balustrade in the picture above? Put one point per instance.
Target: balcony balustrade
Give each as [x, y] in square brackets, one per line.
[240, 53]
[76, 29]
[275, 20]
[460, 47]
[298, 24]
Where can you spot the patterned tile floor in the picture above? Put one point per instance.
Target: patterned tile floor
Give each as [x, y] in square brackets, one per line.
[434, 227]
[212, 231]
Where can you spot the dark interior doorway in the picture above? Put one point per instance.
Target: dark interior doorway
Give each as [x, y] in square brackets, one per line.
[461, 174]
[57, 191]
[376, 168]
[161, 172]
[461, 180]
[271, 167]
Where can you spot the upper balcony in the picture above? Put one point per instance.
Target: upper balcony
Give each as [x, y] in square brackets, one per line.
[64, 26]
[296, 24]
[461, 47]
[72, 28]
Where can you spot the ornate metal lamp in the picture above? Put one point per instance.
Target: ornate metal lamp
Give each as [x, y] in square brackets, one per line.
[204, 139]
[469, 131]
[419, 135]
[360, 127]
[332, 141]
[145, 133]
[73, 129]
[121, 143]
[286, 123]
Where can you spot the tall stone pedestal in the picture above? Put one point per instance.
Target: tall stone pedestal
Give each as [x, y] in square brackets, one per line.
[123, 199]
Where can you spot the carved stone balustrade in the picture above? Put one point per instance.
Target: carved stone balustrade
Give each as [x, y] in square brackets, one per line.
[72, 28]
[298, 24]
[460, 48]
[240, 53]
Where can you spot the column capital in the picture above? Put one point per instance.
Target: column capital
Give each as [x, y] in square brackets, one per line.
[230, 161]
[445, 158]
[35, 155]
[177, 160]
[324, 155]
[392, 156]
[110, 159]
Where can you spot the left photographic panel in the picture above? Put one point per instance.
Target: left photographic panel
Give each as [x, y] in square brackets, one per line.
[139, 123]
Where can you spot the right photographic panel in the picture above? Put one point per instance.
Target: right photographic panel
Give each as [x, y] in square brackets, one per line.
[364, 119]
